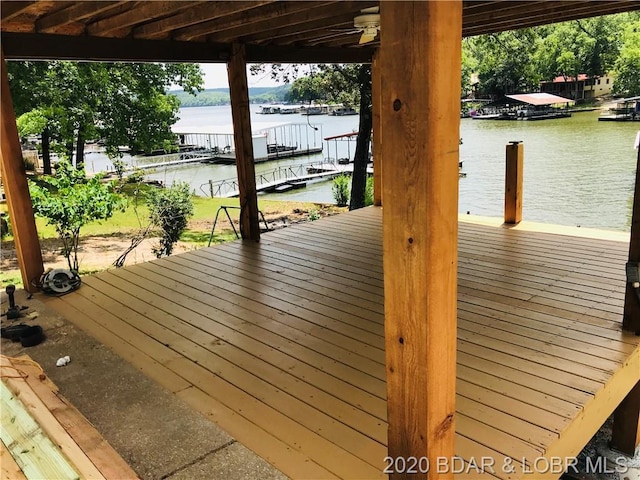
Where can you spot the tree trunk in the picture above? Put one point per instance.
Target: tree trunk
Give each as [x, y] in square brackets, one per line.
[68, 148]
[46, 151]
[361, 157]
[80, 150]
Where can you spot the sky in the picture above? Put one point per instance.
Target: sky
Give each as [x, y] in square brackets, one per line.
[215, 76]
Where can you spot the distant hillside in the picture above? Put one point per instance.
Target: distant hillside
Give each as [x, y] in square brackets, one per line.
[220, 96]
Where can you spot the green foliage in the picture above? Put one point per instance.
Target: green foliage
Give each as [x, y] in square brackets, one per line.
[515, 61]
[123, 104]
[32, 123]
[368, 192]
[330, 84]
[314, 215]
[503, 61]
[220, 96]
[627, 66]
[340, 190]
[170, 210]
[69, 200]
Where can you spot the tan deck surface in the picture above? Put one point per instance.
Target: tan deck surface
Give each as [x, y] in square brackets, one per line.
[282, 342]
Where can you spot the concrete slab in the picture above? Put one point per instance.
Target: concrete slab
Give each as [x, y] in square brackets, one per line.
[234, 462]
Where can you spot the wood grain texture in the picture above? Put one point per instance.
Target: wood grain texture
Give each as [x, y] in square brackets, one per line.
[239, 93]
[23, 224]
[420, 188]
[282, 342]
[514, 174]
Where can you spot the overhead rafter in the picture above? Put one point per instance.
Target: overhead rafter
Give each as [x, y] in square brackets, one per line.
[10, 10]
[246, 19]
[73, 14]
[307, 29]
[298, 18]
[193, 16]
[145, 12]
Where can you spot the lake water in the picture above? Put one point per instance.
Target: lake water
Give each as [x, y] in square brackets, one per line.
[578, 171]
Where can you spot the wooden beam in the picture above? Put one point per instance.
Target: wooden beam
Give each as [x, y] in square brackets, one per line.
[29, 46]
[631, 315]
[239, 93]
[376, 95]
[138, 13]
[10, 10]
[16, 190]
[513, 183]
[626, 423]
[25, 46]
[420, 45]
[193, 16]
[285, 36]
[298, 19]
[247, 21]
[74, 13]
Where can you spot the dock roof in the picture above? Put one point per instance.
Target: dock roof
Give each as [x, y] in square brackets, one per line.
[538, 98]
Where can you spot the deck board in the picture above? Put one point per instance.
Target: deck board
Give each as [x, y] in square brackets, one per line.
[285, 338]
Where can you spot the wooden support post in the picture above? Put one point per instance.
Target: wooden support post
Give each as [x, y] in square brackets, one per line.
[513, 183]
[626, 423]
[239, 93]
[631, 316]
[377, 129]
[420, 63]
[626, 419]
[16, 190]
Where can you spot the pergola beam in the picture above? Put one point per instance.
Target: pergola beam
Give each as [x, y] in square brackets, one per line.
[420, 45]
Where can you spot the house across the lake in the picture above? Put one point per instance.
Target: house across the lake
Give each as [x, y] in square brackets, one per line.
[584, 88]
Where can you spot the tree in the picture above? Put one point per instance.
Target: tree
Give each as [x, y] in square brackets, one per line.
[503, 61]
[69, 200]
[350, 85]
[627, 66]
[122, 104]
[578, 47]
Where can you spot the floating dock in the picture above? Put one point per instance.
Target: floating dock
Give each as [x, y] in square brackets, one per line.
[271, 141]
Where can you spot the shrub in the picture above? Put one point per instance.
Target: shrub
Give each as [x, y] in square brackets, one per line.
[368, 192]
[69, 200]
[170, 210]
[341, 190]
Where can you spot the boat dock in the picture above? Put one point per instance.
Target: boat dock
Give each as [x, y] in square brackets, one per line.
[173, 159]
[279, 179]
[270, 140]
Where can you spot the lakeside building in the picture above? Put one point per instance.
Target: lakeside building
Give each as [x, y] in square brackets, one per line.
[584, 88]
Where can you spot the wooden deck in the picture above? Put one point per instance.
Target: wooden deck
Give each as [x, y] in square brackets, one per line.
[282, 343]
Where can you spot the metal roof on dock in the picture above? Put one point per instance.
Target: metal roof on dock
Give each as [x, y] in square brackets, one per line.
[538, 98]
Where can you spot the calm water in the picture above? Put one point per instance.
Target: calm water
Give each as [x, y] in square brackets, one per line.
[578, 171]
